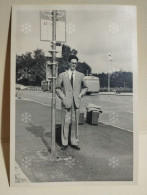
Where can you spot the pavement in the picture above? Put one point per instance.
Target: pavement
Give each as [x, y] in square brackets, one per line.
[117, 110]
[114, 93]
[106, 152]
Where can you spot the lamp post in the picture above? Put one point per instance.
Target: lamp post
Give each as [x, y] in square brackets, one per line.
[109, 74]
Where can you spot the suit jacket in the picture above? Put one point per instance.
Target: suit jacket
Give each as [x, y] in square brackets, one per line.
[65, 91]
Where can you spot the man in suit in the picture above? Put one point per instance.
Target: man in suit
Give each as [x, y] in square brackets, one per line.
[70, 87]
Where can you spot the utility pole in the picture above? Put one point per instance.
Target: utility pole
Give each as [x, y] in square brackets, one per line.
[109, 74]
[109, 81]
[87, 72]
[124, 85]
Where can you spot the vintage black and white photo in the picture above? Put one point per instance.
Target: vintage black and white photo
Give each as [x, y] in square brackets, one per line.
[73, 90]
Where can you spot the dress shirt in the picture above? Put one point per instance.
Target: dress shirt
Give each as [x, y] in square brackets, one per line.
[70, 73]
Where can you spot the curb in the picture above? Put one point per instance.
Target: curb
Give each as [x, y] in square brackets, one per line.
[19, 175]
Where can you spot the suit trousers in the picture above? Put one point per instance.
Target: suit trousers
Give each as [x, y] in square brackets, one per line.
[69, 131]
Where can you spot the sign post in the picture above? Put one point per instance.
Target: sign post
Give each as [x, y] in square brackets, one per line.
[53, 112]
[53, 30]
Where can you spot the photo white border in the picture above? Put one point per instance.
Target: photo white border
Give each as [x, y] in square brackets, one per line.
[15, 8]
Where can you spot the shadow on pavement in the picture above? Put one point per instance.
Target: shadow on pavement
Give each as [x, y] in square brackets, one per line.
[39, 131]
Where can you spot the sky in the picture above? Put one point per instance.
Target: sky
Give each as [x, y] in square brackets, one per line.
[95, 34]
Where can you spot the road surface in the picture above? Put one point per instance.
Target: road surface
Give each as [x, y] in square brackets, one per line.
[117, 110]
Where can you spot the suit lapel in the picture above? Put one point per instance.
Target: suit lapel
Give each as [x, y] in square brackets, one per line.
[68, 80]
[76, 77]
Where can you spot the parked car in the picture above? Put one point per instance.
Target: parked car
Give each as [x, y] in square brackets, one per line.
[20, 87]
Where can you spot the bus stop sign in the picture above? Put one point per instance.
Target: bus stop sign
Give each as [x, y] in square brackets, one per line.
[46, 26]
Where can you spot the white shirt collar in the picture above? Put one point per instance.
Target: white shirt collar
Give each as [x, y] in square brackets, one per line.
[70, 72]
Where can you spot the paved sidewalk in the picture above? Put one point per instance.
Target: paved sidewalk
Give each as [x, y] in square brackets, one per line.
[19, 175]
[106, 152]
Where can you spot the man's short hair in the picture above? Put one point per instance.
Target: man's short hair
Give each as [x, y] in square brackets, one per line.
[73, 57]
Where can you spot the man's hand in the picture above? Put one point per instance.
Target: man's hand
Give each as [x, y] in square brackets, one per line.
[80, 95]
[63, 97]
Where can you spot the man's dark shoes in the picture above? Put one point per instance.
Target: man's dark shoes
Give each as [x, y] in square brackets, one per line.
[64, 147]
[75, 147]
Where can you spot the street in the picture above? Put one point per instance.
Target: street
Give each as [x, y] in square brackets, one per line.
[106, 151]
[117, 110]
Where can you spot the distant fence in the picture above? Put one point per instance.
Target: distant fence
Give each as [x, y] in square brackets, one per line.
[105, 89]
[29, 88]
[33, 88]
[117, 90]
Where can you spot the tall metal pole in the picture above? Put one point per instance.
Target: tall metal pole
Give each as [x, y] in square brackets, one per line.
[53, 111]
[108, 82]
[109, 74]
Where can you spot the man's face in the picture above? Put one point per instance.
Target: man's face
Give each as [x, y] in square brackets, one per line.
[73, 64]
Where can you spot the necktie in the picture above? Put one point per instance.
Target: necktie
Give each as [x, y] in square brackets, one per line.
[71, 80]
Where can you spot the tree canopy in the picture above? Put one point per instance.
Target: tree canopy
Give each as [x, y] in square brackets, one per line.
[117, 79]
[31, 69]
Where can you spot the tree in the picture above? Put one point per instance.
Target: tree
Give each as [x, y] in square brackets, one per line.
[84, 68]
[23, 68]
[63, 62]
[30, 70]
[31, 67]
[118, 79]
[39, 67]
[74, 52]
